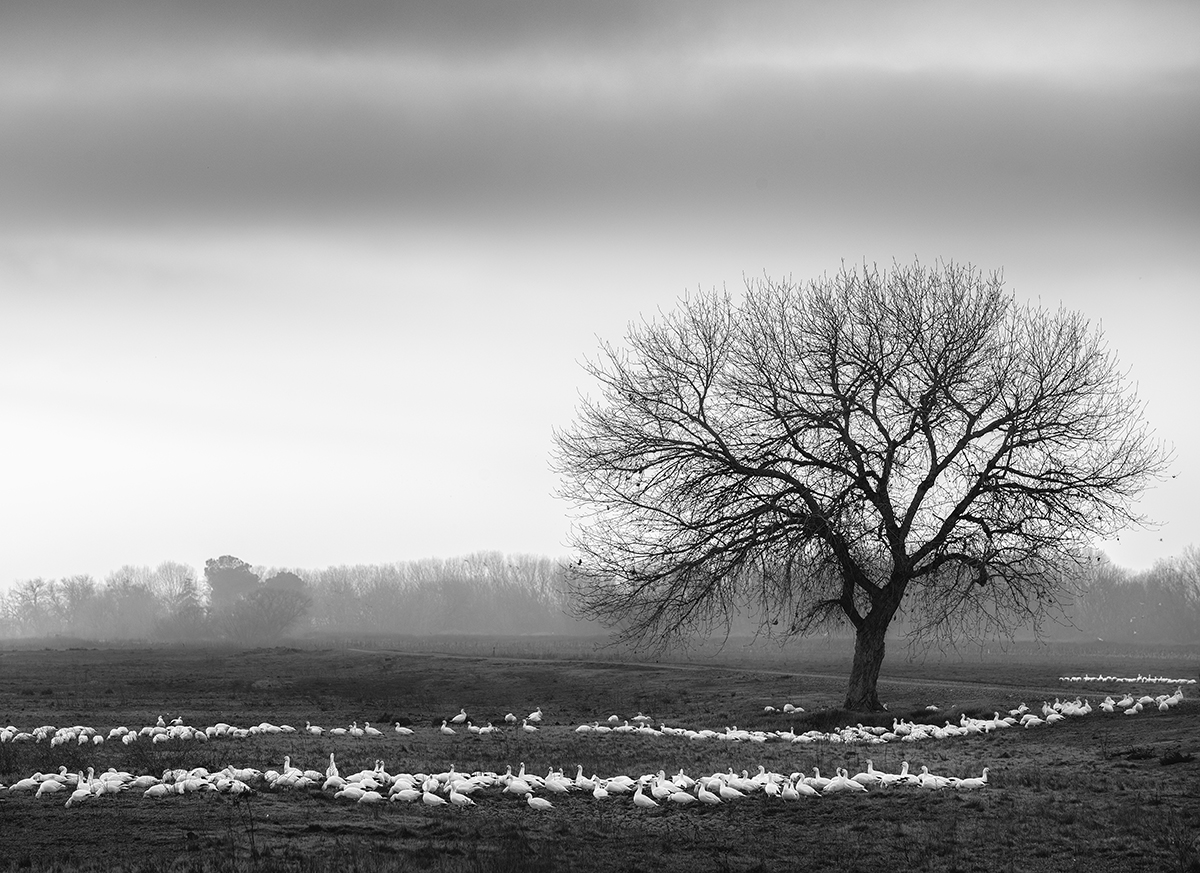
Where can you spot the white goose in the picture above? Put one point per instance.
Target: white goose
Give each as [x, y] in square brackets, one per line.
[682, 798]
[817, 781]
[641, 800]
[84, 791]
[868, 777]
[728, 792]
[929, 780]
[431, 799]
[974, 783]
[842, 782]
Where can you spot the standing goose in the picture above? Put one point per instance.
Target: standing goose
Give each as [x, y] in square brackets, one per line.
[817, 781]
[642, 800]
[582, 782]
[728, 792]
[804, 789]
[661, 787]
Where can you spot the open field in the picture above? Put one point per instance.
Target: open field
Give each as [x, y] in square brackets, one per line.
[1091, 792]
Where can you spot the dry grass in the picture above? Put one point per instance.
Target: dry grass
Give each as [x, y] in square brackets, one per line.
[1087, 794]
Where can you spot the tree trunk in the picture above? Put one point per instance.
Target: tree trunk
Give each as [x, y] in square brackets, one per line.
[861, 696]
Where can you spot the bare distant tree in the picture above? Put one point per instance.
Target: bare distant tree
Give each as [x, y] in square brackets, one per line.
[31, 604]
[175, 585]
[76, 600]
[843, 449]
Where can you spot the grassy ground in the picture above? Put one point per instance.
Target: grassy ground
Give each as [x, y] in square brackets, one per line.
[1089, 793]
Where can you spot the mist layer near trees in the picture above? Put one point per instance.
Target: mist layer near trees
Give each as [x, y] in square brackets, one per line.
[486, 593]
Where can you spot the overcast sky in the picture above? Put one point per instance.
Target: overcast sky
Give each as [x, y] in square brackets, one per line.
[309, 283]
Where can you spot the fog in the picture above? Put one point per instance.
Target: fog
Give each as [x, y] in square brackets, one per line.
[488, 595]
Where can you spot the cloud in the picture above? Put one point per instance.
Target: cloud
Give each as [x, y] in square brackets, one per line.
[275, 112]
[919, 141]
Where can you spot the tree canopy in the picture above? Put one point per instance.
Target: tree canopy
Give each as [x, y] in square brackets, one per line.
[839, 449]
[230, 579]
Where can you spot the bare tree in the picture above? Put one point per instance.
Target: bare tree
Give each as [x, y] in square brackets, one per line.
[76, 599]
[31, 603]
[840, 450]
[175, 585]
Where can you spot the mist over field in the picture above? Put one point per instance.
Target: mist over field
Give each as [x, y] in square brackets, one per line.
[482, 594]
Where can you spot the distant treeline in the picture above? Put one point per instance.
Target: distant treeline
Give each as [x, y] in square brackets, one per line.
[486, 593]
[1157, 606]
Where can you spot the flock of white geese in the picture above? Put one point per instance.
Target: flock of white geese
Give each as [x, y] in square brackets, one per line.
[1140, 679]
[901, 730]
[456, 788]
[639, 725]
[164, 731]
[452, 787]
